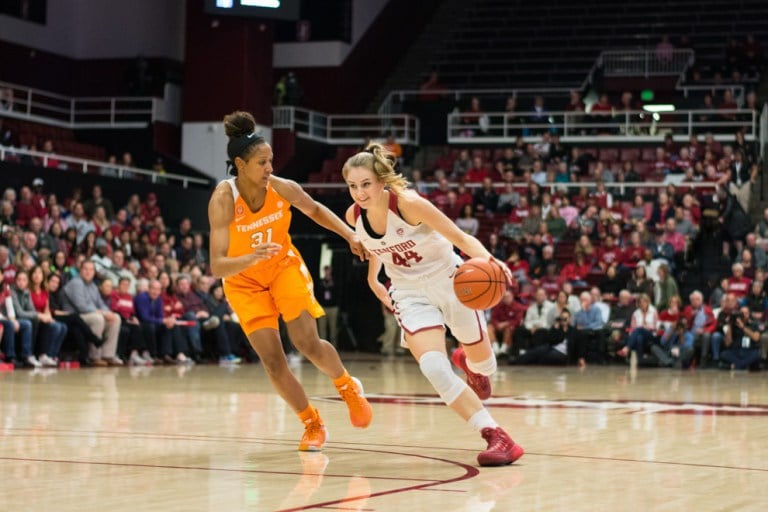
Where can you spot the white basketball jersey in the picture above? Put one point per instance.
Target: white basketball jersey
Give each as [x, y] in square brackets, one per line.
[407, 251]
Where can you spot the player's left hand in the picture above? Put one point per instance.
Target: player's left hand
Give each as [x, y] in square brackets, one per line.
[357, 248]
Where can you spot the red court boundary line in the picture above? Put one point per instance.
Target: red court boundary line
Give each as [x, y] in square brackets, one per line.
[469, 471]
[353, 445]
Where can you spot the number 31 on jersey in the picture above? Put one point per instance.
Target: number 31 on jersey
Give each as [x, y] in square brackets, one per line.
[257, 237]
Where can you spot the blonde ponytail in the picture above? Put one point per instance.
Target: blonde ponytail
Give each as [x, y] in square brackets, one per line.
[381, 162]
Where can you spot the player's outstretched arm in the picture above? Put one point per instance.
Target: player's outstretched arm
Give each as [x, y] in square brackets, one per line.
[318, 212]
[221, 210]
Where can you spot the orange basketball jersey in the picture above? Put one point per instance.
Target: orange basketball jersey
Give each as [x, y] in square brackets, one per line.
[249, 229]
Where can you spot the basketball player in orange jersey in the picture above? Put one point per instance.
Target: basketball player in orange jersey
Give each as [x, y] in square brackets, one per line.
[265, 276]
[414, 241]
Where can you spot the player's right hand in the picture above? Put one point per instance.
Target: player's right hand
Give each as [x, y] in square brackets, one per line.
[266, 251]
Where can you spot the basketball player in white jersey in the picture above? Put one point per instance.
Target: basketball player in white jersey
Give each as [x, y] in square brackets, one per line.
[414, 241]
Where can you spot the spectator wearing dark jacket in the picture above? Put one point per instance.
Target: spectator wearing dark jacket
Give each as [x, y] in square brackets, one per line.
[196, 311]
[161, 333]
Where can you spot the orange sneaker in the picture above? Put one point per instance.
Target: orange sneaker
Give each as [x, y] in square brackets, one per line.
[314, 436]
[360, 412]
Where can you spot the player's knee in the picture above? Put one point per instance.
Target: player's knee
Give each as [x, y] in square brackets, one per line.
[437, 369]
[274, 364]
[486, 367]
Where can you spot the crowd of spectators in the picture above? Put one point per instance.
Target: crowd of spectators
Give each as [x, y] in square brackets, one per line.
[103, 285]
[616, 262]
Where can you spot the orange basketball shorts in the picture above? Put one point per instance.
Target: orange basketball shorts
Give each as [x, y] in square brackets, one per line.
[283, 289]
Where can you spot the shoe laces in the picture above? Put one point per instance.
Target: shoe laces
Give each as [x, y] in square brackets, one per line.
[349, 392]
[497, 440]
[313, 429]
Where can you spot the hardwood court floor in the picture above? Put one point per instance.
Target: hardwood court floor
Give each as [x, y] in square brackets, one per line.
[219, 439]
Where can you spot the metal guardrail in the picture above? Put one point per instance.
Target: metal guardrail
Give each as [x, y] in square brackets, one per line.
[629, 126]
[549, 186]
[95, 167]
[346, 129]
[645, 63]
[737, 90]
[763, 131]
[398, 97]
[88, 112]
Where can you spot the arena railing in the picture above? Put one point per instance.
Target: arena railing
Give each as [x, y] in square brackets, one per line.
[645, 63]
[672, 179]
[346, 129]
[618, 126]
[392, 104]
[96, 167]
[46, 107]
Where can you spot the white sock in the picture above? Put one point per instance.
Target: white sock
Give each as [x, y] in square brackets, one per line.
[482, 419]
[487, 367]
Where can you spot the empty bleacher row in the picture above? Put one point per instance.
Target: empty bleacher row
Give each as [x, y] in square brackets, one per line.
[515, 43]
[32, 135]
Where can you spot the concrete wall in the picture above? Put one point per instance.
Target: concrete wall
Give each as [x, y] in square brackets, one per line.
[97, 29]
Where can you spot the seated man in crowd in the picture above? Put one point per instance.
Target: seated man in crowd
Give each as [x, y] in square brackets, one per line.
[589, 338]
[82, 296]
[740, 342]
[165, 340]
[702, 322]
[533, 332]
[619, 320]
[554, 350]
[196, 310]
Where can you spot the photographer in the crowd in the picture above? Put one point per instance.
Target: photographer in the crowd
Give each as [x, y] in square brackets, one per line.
[740, 342]
[555, 350]
[675, 347]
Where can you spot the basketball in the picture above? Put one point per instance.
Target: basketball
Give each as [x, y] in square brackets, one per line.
[479, 283]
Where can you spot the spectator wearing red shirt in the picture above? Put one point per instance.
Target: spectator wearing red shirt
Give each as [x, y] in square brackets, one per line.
[575, 272]
[738, 284]
[602, 108]
[119, 223]
[452, 209]
[477, 172]
[668, 317]
[519, 267]
[673, 237]
[520, 212]
[121, 302]
[439, 196]
[691, 209]
[39, 200]
[609, 253]
[7, 268]
[575, 104]
[52, 161]
[463, 196]
[507, 316]
[603, 198]
[445, 160]
[25, 208]
[149, 209]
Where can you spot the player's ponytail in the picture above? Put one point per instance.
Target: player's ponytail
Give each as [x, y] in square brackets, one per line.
[379, 160]
[240, 127]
